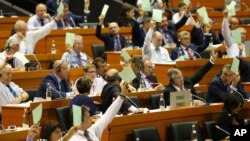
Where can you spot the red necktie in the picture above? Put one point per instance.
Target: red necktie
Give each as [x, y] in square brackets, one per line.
[189, 54]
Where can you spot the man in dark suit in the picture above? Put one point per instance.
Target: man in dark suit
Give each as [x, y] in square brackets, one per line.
[168, 29]
[113, 40]
[112, 90]
[179, 83]
[223, 84]
[145, 73]
[57, 81]
[139, 32]
[53, 5]
[244, 68]
[188, 50]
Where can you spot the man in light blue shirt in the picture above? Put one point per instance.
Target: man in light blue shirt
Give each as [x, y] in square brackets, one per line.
[75, 57]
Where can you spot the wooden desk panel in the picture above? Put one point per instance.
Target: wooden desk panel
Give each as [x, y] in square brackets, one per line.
[18, 135]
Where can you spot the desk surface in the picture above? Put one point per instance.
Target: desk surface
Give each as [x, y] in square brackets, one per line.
[19, 135]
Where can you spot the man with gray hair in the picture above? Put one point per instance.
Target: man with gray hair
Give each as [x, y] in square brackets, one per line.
[28, 39]
[40, 19]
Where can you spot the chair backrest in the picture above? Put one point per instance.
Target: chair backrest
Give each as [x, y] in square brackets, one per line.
[210, 129]
[136, 101]
[32, 94]
[155, 99]
[245, 20]
[183, 130]
[63, 115]
[98, 50]
[146, 134]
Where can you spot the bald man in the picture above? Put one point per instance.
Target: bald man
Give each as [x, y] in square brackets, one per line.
[40, 19]
[28, 39]
[113, 40]
[57, 80]
[152, 48]
[112, 90]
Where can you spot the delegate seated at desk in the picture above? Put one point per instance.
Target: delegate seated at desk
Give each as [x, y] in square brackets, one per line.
[9, 91]
[57, 80]
[178, 83]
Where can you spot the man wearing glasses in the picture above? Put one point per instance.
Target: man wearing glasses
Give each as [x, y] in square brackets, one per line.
[57, 80]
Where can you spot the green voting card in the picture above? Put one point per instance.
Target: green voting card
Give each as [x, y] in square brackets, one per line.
[211, 47]
[235, 65]
[236, 35]
[70, 39]
[203, 13]
[60, 8]
[127, 74]
[187, 2]
[125, 55]
[231, 9]
[37, 113]
[77, 115]
[157, 15]
[104, 10]
[145, 4]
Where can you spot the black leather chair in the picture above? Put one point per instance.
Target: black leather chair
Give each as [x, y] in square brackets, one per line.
[63, 115]
[98, 50]
[32, 94]
[210, 129]
[182, 131]
[244, 20]
[155, 99]
[146, 134]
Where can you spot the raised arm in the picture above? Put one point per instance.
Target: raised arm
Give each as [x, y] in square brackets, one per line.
[147, 42]
[226, 31]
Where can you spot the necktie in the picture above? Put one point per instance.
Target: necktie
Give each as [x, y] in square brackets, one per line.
[11, 90]
[189, 54]
[117, 44]
[86, 134]
[167, 37]
[65, 22]
[79, 60]
[42, 22]
[62, 86]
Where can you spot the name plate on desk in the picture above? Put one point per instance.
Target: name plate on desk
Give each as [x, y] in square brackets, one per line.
[179, 99]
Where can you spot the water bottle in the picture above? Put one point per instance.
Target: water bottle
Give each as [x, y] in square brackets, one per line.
[194, 133]
[162, 103]
[245, 122]
[85, 20]
[1, 13]
[48, 92]
[142, 86]
[53, 47]
[137, 139]
[25, 118]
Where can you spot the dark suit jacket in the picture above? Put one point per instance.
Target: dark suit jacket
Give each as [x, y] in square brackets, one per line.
[52, 6]
[138, 35]
[197, 36]
[124, 22]
[109, 93]
[224, 121]
[217, 91]
[137, 80]
[197, 49]
[51, 79]
[188, 82]
[244, 68]
[172, 28]
[84, 100]
[108, 39]
[71, 19]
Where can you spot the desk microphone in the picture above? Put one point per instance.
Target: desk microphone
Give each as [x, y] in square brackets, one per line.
[40, 66]
[246, 6]
[238, 93]
[56, 91]
[197, 54]
[134, 104]
[200, 98]
[218, 127]
[72, 21]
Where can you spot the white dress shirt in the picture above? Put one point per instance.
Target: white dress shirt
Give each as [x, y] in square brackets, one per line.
[72, 59]
[34, 23]
[17, 62]
[6, 96]
[232, 48]
[177, 17]
[96, 129]
[156, 55]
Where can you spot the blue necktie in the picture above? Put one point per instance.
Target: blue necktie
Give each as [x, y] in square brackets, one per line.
[117, 44]
[11, 90]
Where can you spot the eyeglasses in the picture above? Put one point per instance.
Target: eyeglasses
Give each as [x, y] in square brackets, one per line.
[91, 72]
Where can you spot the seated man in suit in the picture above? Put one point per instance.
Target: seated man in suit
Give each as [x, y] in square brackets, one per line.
[9, 91]
[57, 81]
[112, 90]
[145, 73]
[113, 40]
[179, 83]
[188, 50]
[75, 57]
[224, 83]
[152, 48]
[40, 19]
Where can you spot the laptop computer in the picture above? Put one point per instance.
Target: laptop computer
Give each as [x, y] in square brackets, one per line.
[180, 99]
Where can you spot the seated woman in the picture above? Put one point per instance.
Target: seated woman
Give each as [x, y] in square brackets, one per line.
[126, 18]
[51, 131]
[83, 86]
[229, 115]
